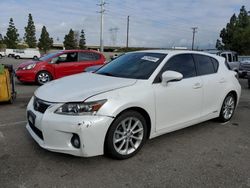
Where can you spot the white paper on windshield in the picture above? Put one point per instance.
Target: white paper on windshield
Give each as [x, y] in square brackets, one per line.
[150, 58]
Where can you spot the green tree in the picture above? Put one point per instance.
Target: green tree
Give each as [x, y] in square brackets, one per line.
[228, 32]
[82, 41]
[218, 45]
[243, 18]
[45, 42]
[11, 38]
[2, 45]
[236, 35]
[30, 33]
[69, 40]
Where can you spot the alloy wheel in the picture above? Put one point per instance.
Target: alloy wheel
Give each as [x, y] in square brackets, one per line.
[228, 107]
[128, 136]
[43, 77]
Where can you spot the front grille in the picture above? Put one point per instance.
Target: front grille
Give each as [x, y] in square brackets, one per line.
[245, 67]
[40, 105]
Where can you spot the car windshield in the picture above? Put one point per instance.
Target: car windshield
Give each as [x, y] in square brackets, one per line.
[48, 56]
[137, 65]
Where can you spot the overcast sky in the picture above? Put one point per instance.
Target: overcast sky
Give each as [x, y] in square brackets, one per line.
[153, 23]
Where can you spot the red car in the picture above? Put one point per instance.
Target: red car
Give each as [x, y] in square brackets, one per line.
[57, 65]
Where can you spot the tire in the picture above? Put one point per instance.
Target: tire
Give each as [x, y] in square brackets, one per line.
[17, 57]
[228, 107]
[126, 135]
[1, 56]
[35, 57]
[43, 77]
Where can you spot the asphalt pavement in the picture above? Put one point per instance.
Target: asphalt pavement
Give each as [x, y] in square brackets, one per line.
[209, 154]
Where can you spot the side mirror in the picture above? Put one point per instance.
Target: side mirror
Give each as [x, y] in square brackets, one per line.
[169, 76]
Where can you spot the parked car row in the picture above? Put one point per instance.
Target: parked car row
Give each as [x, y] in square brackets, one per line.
[242, 66]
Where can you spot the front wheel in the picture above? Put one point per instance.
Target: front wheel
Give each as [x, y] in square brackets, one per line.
[228, 107]
[43, 77]
[126, 135]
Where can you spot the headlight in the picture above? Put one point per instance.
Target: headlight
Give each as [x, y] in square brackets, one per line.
[30, 66]
[80, 108]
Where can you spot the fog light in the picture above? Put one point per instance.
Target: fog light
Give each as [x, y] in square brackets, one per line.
[75, 141]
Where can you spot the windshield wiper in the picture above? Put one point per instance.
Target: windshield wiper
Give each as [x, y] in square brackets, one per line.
[106, 74]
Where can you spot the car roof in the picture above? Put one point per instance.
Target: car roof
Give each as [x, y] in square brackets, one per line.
[78, 50]
[173, 52]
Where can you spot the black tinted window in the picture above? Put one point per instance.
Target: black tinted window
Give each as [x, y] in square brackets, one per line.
[229, 58]
[137, 65]
[183, 64]
[88, 56]
[67, 57]
[224, 55]
[215, 63]
[204, 64]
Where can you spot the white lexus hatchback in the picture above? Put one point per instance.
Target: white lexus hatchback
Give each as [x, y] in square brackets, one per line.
[138, 96]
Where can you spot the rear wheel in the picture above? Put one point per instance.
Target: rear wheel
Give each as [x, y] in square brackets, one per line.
[126, 135]
[228, 107]
[17, 57]
[35, 57]
[1, 56]
[43, 77]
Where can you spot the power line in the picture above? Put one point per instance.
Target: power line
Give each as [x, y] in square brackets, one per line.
[194, 31]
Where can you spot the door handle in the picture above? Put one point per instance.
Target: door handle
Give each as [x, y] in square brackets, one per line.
[197, 85]
[222, 80]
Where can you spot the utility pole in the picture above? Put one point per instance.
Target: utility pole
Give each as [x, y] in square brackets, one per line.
[101, 24]
[127, 31]
[194, 31]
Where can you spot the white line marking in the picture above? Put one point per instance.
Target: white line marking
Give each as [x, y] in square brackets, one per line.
[12, 123]
[1, 135]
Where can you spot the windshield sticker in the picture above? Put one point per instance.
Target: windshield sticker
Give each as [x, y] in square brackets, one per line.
[150, 58]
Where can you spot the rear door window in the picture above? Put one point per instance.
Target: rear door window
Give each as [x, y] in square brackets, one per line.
[215, 63]
[204, 64]
[89, 56]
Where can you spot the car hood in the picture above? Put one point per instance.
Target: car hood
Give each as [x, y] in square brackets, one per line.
[26, 63]
[79, 87]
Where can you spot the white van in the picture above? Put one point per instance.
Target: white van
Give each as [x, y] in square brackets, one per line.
[2, 54]
[27, 53]
[231, 58]
[9, 52]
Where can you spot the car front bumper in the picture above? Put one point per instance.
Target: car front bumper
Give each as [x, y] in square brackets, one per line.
[26, 75]
[57, 131]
